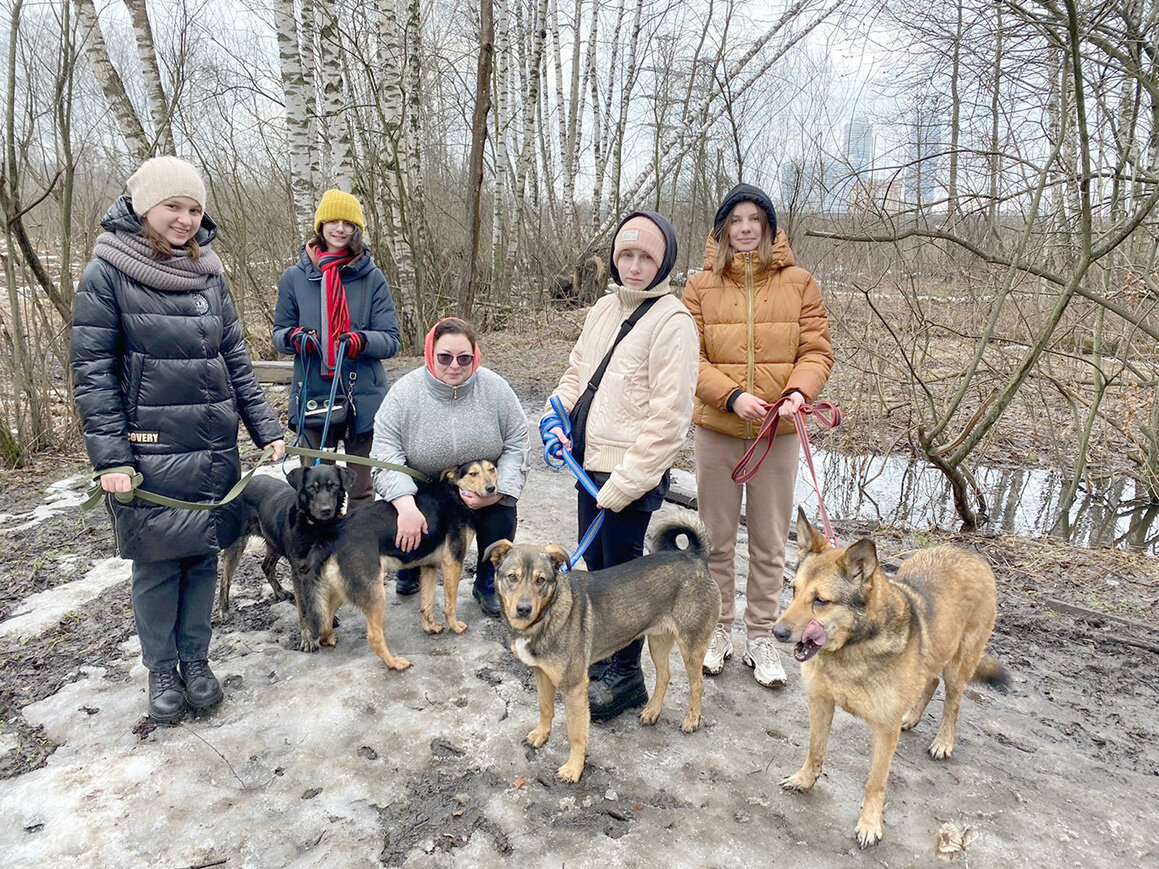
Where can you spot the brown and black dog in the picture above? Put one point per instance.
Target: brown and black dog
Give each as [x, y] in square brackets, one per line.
[348, 562]
[876, 646]
[561, 622]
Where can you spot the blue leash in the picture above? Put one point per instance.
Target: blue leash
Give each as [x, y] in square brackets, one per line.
[557, 456]
[302, 391]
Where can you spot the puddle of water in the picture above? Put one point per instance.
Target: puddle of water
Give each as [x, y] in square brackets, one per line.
[905, 492]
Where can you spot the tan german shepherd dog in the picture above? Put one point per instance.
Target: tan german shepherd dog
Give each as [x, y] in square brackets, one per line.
[877, 646]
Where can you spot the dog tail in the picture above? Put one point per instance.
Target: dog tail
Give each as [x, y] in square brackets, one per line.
[666, 533]
[992, 673]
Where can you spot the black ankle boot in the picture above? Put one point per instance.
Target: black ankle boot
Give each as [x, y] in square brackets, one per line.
[621, 686]
[484, 592]
[166, 697]
[407, 581]
[202, 689]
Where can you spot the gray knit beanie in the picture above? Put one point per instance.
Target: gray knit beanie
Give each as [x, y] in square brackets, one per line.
[162, 178]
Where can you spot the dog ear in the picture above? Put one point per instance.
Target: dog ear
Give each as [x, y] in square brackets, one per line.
[450, 474]
[294, 478]
[557, 555]
[497, 550]
[348, 477]
[862, 560]
[809, 540]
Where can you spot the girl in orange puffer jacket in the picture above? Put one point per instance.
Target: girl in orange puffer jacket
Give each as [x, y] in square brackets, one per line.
[764, 335]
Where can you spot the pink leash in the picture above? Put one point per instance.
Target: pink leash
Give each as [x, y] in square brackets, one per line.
[828, 415]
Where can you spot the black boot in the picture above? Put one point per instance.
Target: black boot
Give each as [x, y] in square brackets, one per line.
[202, 689]
[167, 702]
[484, 592]
[407, 581]
[621, 686]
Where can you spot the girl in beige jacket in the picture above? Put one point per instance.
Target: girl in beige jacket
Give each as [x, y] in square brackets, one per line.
[637, 422]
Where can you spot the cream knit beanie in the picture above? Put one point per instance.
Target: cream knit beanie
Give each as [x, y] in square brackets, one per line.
[162, 178]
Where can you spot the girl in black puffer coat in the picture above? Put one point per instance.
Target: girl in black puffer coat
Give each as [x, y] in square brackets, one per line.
[162, 378]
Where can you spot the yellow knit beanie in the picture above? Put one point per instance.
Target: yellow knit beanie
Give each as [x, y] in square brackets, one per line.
[337, 205]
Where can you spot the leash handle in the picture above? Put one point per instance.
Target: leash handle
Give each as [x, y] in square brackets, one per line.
[557, 456]
[337, 377]
[827, 414]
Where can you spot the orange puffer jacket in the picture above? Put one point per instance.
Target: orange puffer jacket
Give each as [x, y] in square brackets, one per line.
[763, 329]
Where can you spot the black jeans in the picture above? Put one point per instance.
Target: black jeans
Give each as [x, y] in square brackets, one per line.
[172, 605]
[621, 538]
[491, 523]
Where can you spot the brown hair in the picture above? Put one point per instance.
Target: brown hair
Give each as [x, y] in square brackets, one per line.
[356, 246]
[724, 251]
[162, 249]
[453, 326]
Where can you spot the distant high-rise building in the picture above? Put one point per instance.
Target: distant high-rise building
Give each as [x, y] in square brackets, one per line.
[859, 145]
[925, 145]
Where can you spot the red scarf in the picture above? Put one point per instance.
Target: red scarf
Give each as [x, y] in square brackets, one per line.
[335, 312]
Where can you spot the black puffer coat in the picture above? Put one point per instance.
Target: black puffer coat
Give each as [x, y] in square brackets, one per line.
[161, 379]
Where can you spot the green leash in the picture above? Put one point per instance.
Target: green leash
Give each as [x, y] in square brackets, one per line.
[96, 494]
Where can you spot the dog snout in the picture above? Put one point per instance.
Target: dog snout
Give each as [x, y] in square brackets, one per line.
[782, 632]
[523, 609]
[490, 490]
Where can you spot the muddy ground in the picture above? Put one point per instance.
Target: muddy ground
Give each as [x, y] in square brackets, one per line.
[330, 756]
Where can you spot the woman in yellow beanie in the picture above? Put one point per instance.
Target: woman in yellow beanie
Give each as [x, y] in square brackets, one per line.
[162, 378]
[335, 301]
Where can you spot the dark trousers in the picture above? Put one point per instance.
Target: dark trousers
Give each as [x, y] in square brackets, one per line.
[620, 539]
[496, 522]
[172, 605]
[362, 492]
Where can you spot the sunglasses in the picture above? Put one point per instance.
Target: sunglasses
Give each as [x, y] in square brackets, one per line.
[463, 359]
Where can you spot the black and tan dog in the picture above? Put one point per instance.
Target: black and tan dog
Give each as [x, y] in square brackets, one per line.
[266, 503]
[562, 622]
[349, 562]
[876, 646]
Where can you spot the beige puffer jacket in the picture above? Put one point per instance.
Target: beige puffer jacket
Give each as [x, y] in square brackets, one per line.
[762, 329]
[641, 411]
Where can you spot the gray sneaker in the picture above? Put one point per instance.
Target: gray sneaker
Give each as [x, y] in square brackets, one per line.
[719, 651]
[761, 654]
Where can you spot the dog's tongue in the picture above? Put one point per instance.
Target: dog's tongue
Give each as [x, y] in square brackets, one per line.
[814, 633]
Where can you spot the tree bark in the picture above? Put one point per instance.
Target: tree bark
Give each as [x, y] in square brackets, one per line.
[475, 162]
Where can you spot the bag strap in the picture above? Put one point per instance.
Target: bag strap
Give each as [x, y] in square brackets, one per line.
[625, 328]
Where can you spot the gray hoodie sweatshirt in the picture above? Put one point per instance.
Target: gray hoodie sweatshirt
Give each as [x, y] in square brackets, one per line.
[427, 425]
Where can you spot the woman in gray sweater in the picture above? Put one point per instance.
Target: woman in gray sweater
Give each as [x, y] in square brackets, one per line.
[447, 413]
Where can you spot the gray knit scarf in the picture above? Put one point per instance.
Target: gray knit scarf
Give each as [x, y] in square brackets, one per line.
[131, 254]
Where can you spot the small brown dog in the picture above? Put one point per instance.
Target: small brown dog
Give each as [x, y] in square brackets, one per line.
[561, 622]
[877, 646]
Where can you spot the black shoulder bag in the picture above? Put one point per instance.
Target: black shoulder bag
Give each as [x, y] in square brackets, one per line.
[579, 414]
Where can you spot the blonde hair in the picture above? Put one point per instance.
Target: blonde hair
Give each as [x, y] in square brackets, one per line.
[162, 249]
[724, 249]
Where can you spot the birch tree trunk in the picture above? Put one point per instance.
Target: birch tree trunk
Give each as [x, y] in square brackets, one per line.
[499, 127]
[530, 96]
[151, 73]
[298, 94]
[112, 86]
[335, 129]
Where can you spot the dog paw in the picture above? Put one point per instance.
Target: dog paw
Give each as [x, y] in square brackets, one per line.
[281, 594]
[908, 723]
[396, 663]
[308, 644]
[799, 783]
[329, 640]
[570, 772]
[649, 716]
[537, 737]
[868, 832]
[432, 627]
[939, 750]
[458, 626]
[691, 723]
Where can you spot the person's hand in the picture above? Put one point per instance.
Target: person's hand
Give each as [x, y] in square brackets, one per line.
[563, 439]
[412, 524]
[748, 406]
[353, 341]
[793, 403]
[300, 344]
[116, 483]
[478, 502]
[279, 449]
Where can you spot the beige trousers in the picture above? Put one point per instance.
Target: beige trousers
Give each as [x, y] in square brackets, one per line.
[768, 512]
